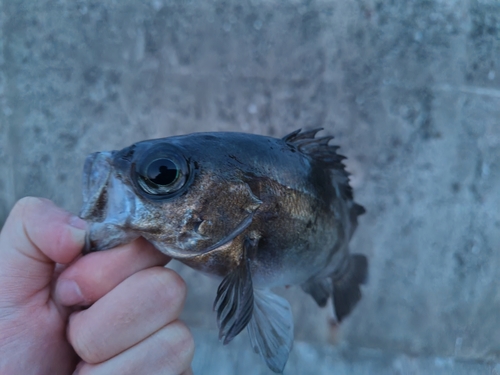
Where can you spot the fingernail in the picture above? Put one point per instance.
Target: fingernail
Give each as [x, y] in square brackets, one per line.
[78, 229]
[69, 292]
[77, 223]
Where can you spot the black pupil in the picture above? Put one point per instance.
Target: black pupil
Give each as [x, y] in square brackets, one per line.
[162, 172]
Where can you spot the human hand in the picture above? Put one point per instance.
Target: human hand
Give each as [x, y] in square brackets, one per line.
[131, 326]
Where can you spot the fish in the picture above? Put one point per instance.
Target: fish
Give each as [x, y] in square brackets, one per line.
[254, 211]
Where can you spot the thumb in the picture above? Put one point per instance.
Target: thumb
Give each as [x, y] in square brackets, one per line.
[36, 235]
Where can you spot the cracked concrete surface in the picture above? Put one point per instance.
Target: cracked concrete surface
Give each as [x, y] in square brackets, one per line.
[411, 90]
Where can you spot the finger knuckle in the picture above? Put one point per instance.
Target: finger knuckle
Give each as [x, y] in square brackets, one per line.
[170, 286]
[29, 201]
[82, 348]
[178, 285]
[25, 206]
[186, 341]
[82, 344]
[181, 349]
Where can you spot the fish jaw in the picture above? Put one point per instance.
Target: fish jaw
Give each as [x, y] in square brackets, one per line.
[95, 178]
[107, 204]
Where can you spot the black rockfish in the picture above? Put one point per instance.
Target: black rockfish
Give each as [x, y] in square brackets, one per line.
[256, 211]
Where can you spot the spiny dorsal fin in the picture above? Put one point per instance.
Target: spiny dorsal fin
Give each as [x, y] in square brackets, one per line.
[299, 134]
[317, 148]
[326, 155]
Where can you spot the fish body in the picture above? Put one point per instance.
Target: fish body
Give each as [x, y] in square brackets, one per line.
[255, 211]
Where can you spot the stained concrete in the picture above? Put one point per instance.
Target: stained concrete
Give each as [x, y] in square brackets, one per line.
[411, 90]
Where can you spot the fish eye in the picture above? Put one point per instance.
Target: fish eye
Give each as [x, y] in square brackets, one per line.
[161, 176]
[162, 172]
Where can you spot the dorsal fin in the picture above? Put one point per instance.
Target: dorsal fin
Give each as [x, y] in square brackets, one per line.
[318, 149]
[299, 134]
[325, 155]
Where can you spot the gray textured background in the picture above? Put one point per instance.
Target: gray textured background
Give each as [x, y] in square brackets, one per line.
[410, 89]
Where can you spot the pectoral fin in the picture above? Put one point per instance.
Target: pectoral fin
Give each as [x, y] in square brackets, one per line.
[234, 302]
[271, 329]
[267, 316]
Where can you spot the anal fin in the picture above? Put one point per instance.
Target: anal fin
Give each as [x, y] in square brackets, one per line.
[320, 290]
[346, 288]
[271, 329]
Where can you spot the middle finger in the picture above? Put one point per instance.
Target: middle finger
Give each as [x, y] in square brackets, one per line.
[136, 308]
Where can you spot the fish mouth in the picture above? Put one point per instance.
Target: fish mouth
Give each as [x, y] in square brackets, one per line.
[107, 204]
[96, 172]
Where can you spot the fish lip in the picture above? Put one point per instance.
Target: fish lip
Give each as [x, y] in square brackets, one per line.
[87, 168]
[95, 178]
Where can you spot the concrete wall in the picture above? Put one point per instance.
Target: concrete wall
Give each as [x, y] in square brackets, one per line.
[410, 89]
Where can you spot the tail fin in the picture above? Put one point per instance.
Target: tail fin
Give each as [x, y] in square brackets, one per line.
[346, 289]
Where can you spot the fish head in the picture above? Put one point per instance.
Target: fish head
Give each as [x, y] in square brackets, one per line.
[179, 193]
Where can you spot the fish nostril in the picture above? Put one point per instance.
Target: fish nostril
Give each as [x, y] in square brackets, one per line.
[197, 224]
[127, 153]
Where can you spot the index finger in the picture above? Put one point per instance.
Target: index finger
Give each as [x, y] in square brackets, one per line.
[94, 275]
[36, 235]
